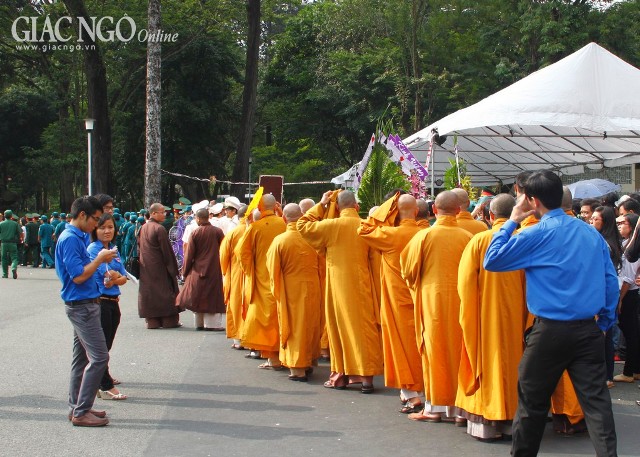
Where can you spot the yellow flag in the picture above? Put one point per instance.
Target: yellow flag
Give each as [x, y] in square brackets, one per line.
[254, 202]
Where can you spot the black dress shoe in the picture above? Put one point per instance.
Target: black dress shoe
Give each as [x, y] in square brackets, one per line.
[199, 328]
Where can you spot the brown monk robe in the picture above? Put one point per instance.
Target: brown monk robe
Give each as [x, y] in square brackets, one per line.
[158, 273]
[233, 280]
[202, 291]
[388, 230]
[351, 308]
[429, 264]
[464, 218]
[260, 329]
[295, 283]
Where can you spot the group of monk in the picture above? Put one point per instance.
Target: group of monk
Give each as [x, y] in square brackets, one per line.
[388, 295]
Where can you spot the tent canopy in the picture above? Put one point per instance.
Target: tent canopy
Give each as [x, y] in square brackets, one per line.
[583, 111]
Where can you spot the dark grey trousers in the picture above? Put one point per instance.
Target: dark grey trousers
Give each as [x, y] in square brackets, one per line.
[551, 348]
[90, 356]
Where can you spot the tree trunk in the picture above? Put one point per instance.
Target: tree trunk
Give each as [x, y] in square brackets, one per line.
[241, 167]
[152, 189]
[98, 107]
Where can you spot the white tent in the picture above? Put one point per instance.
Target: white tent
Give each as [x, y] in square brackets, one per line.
[583, 111]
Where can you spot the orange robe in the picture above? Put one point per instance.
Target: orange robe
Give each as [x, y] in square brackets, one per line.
[429, 264]
[295, 283]
[260, 329]
[423, 223]
[467, 222]
[402, 364]
[233, 281]
[493, 318]
[351, 308]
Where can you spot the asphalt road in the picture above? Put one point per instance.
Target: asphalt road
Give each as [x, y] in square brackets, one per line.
[191, 395]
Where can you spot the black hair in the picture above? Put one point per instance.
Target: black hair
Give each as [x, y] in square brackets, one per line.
[592, 202]
[610, 233]
[521, 180]
[631, 205]
[104, 199]
[87, 204]
[610, 199]
[391, 193]
[103, 219]
[632, 219]
[546, 186]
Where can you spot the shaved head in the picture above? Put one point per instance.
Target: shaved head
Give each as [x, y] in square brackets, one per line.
[373, 210]
[567, 198]
[306, 204]
[463, 198]
[156, 207]
[447, 204]
[407, 207]
[292, 212]
[346, 199]
[423, 209]
[267, 203]
[256, 215]
[502, 205]
[242, 211]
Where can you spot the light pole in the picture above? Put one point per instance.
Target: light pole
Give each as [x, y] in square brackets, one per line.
[88, 123]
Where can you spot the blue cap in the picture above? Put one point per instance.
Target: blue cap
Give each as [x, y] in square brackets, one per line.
[116, 216]
[63, 215]
[133, 218]
[188, 208]
[55, 214]
[126, 215]
[116, 210]
[43, 217]
[140, 219]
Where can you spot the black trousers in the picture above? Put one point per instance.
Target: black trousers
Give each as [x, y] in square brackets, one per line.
[110, 319]
[552, 347]
[628, 323]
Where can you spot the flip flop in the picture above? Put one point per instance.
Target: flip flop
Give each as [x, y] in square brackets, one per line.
[409, 408]
[268, 366]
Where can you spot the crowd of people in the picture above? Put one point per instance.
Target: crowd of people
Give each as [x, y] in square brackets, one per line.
[469, 315]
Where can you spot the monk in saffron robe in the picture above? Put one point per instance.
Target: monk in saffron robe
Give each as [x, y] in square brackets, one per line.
[464, 218]
[422, 218]
[402, 364]
[305, 205]
[351, 309]
[493, 318]
[295, 283]
[429, 264]
[233, 280]
[260, 329]
[375, 265]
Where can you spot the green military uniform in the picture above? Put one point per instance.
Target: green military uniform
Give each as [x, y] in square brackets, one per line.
[10, 234]
[31, 243]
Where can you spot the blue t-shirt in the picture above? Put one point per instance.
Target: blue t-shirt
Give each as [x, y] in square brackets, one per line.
[116, 264]
[71, 258]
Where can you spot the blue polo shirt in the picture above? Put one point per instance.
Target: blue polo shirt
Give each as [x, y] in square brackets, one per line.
[71, 258]
[569, 272]
[116, 265]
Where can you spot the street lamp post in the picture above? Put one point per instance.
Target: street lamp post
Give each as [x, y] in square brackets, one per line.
[250, 161]
[88, 123]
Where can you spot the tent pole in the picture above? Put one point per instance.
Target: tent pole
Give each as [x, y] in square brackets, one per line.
[433, 153]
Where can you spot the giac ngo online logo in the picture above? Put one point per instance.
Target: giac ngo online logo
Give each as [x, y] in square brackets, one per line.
[76, 34]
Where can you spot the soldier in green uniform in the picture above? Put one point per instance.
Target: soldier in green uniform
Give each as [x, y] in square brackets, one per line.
[10, 236]
[55, 219]
[60, 227]
[45, 237]
[31, 243]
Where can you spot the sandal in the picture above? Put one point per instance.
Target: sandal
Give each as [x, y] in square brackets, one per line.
[268, 366]
[330, 385]
[298, 378]
[366, 388]
[115, 382]
[409, 408]
[236, 346]
[106, 395]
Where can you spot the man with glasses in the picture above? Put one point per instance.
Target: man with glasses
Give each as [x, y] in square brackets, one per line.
[158, 273]
[80, 294]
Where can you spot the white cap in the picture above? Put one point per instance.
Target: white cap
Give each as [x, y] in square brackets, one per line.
[623, 199]
[216, 209]
[232, 202]
[200, 205]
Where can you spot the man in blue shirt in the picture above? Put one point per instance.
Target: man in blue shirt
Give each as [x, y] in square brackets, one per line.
[570, 279]
[80, 294]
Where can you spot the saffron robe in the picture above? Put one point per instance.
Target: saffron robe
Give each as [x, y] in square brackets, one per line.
[202, 291]
[402, 363]
[351, 308]
[233, 282]
[260, 329]
[467, 222]
[429, 264]
[493, 318]
[423, 223]
[295, 284]
[158, 273]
